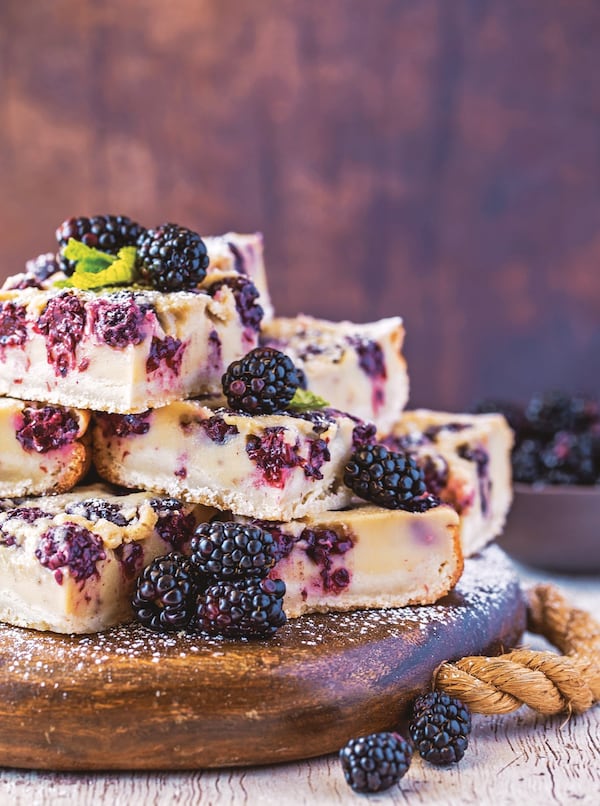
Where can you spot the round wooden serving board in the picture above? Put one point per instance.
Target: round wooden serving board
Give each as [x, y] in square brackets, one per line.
[129, 699]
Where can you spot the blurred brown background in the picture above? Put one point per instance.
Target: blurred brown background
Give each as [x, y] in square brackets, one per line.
[431, 158]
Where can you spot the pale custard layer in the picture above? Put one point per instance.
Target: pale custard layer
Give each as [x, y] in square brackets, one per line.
[68, 568]
[43, 449]
[368, 557]
[268, 466]
[357, 368]
[467, 463]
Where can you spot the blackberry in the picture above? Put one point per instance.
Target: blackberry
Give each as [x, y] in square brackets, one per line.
[245, 608]
[370, 356]
[165, 593]
[551, 412]
[119, 319]
[108, 233]
[386, 478]
[363, 434]
[172, 258]
[375, 762]
[569, 459]
[173, 525]
[216, 429]
[440, 727]
[46, 428]
[264, 381]
[526, 462]
[272, 455]
[585, 412]
[72, 547]
[436, 473]
[227, 550]
[62, 324]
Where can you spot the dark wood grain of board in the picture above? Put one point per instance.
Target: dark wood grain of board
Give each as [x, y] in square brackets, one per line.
[127, 699]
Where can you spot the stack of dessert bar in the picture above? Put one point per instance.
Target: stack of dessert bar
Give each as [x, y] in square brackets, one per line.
[117, 442]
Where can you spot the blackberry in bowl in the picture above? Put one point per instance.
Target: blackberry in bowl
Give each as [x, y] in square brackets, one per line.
[556, 481]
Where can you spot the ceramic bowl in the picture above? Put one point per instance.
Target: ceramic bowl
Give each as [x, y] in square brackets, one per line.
[554, 527]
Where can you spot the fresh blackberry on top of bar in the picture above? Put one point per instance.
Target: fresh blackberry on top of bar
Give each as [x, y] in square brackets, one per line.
[108, 233]
[386, 478]
[166, 590]
[227, 549]
[375, 762]
[440, 727]
[172, 258]
[264, 381]
[244, 608]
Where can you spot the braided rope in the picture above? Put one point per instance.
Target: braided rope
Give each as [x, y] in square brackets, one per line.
[547, 682]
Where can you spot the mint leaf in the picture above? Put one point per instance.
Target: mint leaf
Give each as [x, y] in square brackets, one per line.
[81, 253]
[123, 269]
[95, 269]
[304, 400]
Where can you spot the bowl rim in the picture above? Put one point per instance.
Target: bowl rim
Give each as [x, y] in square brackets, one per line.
[542, 488]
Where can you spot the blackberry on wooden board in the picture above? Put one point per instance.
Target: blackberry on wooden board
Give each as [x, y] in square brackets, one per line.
[165, 593]
[244, 608]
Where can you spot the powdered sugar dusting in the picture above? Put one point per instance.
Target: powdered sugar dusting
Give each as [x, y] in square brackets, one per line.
[488, 582]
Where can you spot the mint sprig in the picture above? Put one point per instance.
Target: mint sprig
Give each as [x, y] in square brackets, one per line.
[96, 269]
[304, 400]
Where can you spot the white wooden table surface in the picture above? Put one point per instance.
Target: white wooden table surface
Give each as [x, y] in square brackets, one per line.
[519, 758]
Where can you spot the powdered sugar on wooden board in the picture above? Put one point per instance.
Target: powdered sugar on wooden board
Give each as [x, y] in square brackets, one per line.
[482, 586]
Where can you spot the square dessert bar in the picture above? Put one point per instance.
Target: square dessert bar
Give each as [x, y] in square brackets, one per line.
[242, 255]
[275, 467]
[233, 255]
[69, 563]
[132, 349]
[367, 557]
[43, 448]
[467, 463]
[122, 351]
[358, 368]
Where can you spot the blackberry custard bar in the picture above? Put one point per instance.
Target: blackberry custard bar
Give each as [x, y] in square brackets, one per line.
[125, 348]
[69, 563]
[358, 368]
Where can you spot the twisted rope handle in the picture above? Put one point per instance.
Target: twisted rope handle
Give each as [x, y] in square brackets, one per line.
[547, 682]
